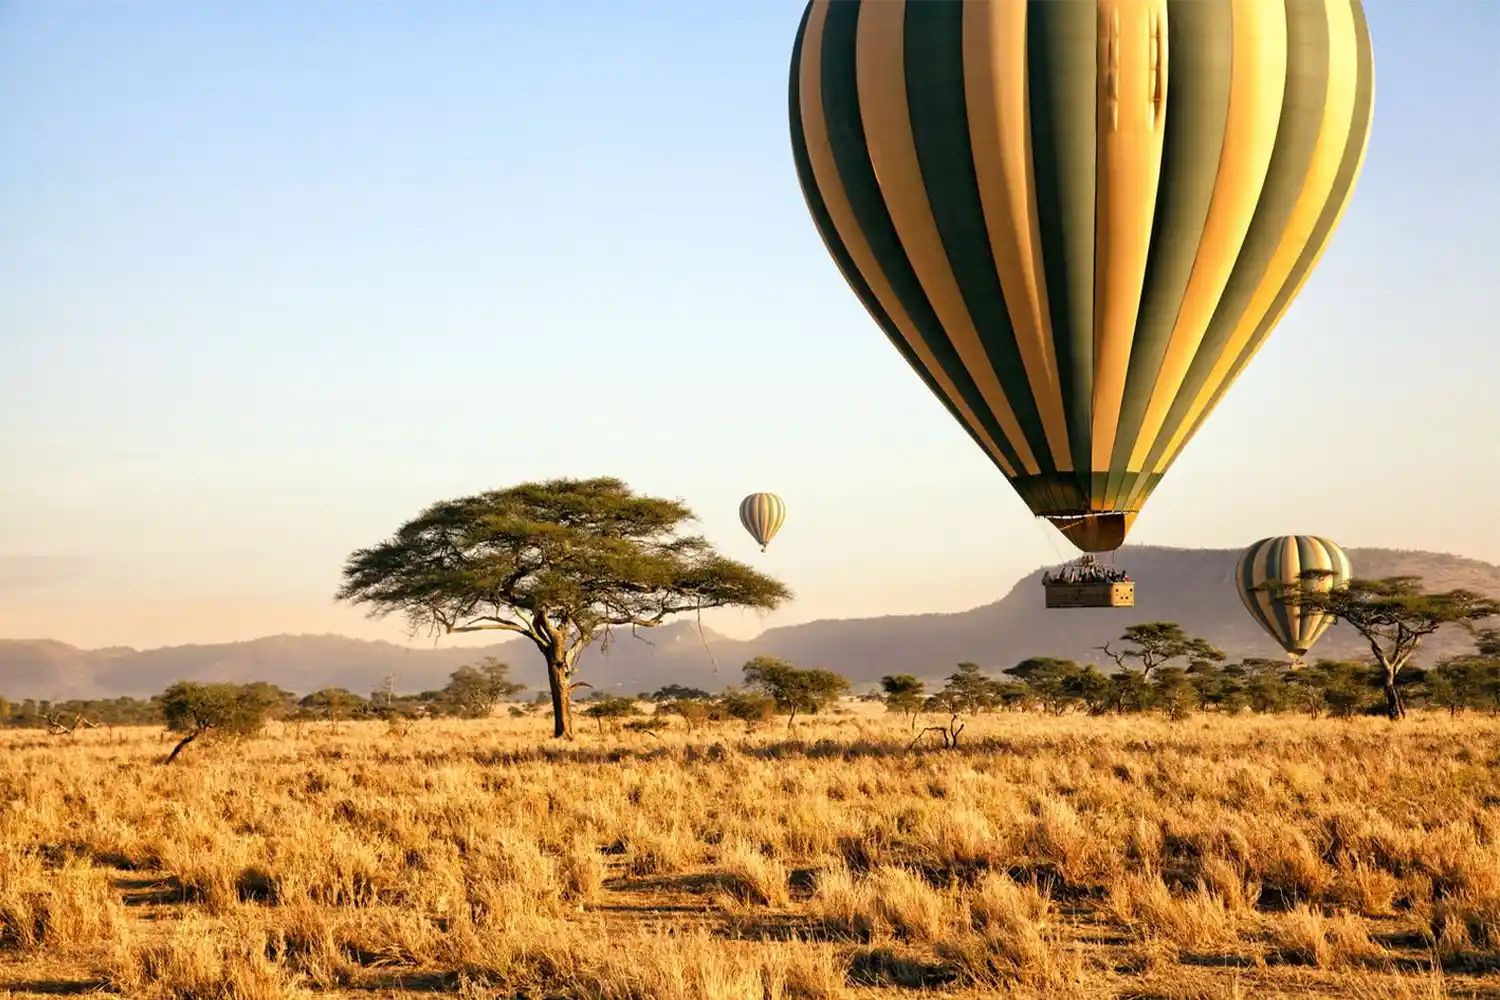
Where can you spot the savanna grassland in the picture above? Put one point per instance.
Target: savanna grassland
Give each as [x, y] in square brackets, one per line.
[1047, 857]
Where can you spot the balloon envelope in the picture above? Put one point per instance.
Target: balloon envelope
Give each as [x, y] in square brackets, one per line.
[1079, 221]
[762, 514]
[1282, 560]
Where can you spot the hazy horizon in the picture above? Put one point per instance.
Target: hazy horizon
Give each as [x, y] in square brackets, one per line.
[279, 276]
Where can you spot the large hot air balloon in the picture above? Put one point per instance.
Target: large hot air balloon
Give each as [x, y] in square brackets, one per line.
[1079, 221]
[1283, 560]
[762, 514]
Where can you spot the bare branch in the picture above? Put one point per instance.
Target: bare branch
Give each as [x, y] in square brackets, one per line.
[949, 733]
[1119, 657]
[56, 727]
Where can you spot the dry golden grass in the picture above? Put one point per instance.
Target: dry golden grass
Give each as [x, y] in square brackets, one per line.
[1211, 859]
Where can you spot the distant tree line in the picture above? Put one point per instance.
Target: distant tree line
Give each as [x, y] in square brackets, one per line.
[472, 692]
[1157, 667]
[1326, 687]
[35, 713]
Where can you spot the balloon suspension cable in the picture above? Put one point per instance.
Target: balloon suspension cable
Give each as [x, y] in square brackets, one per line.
[1042, 524]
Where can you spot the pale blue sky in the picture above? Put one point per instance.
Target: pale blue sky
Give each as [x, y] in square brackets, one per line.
[274, 276]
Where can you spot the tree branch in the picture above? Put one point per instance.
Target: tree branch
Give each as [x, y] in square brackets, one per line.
[1119, 657]
[495, 623]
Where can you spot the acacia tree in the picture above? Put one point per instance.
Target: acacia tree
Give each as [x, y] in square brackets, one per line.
[903, 693]
[476, 690]
[1393, 615]
[967, 691]
[792, 688]
[1051, 679]
[193, 710]
[971, 691]
[333, 704]
[1157, 643]
[1460, 682]
[610, 708]
[560, 562]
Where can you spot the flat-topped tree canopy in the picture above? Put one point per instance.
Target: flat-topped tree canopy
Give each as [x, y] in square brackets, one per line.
[560, 562]
[1393, 615]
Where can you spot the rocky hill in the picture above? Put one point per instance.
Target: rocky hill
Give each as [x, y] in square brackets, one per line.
[1189, 586]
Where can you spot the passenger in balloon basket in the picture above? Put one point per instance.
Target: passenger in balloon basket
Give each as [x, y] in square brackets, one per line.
[1086, 570]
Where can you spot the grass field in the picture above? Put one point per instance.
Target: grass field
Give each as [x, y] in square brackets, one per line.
[1053, 857]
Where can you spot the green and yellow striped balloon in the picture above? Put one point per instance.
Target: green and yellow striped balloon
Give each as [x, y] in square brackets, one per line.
[1282, 560]
[1078, 220]
[762, 514]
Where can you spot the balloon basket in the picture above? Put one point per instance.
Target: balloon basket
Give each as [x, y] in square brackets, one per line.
[1090, 595]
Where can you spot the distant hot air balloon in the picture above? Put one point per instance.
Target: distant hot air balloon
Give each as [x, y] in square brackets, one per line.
[1283, 560]
[762, 514]
[1079, 221]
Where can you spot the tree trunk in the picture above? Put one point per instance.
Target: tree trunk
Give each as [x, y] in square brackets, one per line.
[190, 737]
[562, 699]
[1393, 706]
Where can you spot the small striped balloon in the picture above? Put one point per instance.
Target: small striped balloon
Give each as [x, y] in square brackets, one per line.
[1282, 560]
[762, 514]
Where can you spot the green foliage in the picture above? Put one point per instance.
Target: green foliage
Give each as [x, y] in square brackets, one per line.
[1393, 615]
[692, 711]
[472, 692]
[228, 710]
[903, 693]
[679, 692]
[611, 708]
[1222, 688]
[793, 689]
[1059, 686]
[1174, 693]
[968, 691]
[1155, 644]
[747, 706]
[1095, 689]
[1468, 682]
[334, 704]
[560, 562]
[1051, 681]
[1339, 688]
[1265, 685]
[123, 711]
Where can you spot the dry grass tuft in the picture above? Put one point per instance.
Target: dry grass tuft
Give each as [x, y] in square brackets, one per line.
[72, 908]
[1197, 920]
[200, 961]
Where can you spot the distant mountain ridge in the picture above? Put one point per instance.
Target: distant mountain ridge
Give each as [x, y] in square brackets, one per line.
[1193, 587]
